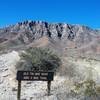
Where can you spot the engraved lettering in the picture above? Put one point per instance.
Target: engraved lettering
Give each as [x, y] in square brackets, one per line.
[37, 74]
[36, 77]
[43, 78]
[25, 77]
[44, 74]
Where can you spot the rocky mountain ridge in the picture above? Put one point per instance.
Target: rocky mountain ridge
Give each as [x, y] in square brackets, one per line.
[74, 39]
[28, 31]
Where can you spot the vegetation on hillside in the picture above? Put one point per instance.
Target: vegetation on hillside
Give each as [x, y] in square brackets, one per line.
[88, 88]
[38, 59]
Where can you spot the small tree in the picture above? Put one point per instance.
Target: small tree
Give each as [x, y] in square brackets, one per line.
[38, 59]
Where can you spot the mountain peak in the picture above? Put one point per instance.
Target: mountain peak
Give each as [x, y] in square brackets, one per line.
[64, 35]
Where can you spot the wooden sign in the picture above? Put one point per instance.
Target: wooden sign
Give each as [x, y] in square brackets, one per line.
[34, 76]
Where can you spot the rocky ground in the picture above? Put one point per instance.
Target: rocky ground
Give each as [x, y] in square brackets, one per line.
[61, 86]
[30, 90]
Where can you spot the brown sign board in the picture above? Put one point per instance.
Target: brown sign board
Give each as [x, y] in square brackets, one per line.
[34, 76]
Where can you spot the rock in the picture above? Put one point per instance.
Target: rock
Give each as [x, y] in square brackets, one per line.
[83, 38]
[14, 89]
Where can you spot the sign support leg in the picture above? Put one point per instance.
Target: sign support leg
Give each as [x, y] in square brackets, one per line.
[48, 86]
[19, 90]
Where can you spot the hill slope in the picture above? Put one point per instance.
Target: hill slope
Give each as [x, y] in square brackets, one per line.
[64, 37]
[78, 47]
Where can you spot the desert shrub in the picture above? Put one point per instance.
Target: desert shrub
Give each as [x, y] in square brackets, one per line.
[87, 88]
[38, 59]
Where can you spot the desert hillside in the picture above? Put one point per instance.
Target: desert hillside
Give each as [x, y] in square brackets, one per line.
[62, 36]
[76, 45]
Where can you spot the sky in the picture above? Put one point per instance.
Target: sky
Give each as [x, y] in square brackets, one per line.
[84, 12]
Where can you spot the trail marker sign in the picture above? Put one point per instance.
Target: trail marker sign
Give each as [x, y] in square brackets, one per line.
[34, 76]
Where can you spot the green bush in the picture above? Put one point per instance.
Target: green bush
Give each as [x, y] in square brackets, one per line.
[88, 88]
[39, 59]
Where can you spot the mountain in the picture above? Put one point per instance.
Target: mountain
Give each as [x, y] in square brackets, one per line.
[76, 45]
[61, 36]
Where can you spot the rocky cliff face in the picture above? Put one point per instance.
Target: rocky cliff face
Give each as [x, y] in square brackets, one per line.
[66, 36]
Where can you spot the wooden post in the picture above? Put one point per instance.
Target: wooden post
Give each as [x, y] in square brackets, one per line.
[19, 90]
[48, 86]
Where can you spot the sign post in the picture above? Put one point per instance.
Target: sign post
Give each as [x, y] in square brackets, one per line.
[34, 76]
[49, 85]
[19, 90]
